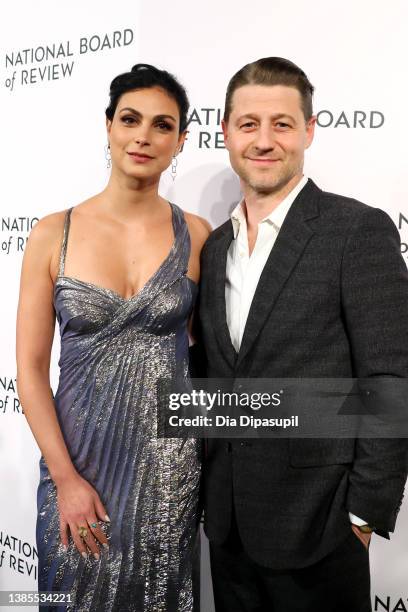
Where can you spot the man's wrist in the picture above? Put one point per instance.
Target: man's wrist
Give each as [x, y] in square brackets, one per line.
[365, 528]
[360, 523]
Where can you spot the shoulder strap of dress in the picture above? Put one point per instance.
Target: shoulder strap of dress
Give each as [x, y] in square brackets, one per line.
[182, 235]
[64, 245]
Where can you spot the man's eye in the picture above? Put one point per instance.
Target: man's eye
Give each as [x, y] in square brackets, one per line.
[280, 124]
[248, 124]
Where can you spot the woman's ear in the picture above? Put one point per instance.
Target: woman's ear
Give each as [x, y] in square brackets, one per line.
[108, 125]
[181, 142]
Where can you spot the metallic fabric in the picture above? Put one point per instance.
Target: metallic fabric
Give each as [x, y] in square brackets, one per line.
[113, 350]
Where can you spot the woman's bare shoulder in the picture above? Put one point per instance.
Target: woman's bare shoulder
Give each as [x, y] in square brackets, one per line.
[199, 227]
[48, 229]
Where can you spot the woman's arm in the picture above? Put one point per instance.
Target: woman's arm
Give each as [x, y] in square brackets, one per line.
[35, 333]
[78, 502]
[199, 230]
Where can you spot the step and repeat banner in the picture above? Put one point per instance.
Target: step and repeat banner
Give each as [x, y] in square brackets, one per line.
[57, 61]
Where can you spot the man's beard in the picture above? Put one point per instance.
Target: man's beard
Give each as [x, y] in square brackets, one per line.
[268, 184]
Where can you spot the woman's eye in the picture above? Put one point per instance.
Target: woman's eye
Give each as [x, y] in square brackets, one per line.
[163, 125]
[128, 119]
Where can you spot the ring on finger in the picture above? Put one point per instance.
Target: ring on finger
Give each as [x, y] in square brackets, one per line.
[94, 525]
[82, 531]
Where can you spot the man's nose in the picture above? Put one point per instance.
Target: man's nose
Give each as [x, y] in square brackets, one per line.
[265, 139]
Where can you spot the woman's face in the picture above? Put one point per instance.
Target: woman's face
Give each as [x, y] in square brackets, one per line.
[144, 133]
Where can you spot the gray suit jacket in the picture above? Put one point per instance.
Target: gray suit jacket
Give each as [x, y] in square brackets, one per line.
[332, 301]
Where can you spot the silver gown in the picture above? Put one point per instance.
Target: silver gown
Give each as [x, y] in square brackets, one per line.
[113, 351]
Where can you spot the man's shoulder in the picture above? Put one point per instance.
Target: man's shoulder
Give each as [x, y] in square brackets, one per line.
[335, 202]
[340, 208]
[218, 233]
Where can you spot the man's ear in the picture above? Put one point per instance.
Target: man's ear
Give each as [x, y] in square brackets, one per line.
[224, 126]
[310, 130]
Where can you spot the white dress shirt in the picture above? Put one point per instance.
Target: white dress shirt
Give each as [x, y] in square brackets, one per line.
[243, 270]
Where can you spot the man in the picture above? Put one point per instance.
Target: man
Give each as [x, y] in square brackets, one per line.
[299, 283]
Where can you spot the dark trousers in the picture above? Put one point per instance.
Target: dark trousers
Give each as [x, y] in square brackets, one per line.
[338, 583]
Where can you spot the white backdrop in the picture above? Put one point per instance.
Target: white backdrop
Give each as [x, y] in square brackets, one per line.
[52, 156]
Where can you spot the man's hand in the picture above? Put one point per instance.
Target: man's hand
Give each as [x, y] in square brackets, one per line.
[365, 538]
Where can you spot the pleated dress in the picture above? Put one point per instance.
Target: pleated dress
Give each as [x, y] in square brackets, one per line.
[113, 353]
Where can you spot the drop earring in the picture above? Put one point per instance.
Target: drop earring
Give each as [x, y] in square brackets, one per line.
[108, 156]
[174, 168]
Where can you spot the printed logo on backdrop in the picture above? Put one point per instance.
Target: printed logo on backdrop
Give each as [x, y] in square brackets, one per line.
[388, 603]
[56, 60]
[372, 119]
[205, 131]
[403, 228]
[9, 402]
[14, 233]
[17, 555]
[204, 125]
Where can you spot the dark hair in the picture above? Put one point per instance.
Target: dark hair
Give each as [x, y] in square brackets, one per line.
[144, 76]
[272, 71]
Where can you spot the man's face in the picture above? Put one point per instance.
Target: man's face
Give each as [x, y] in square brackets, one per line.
[266, 136]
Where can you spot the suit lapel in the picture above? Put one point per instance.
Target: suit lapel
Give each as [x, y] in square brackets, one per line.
[289, 246]
[218, 303]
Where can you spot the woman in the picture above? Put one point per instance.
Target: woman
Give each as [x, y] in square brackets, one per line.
[117, 507]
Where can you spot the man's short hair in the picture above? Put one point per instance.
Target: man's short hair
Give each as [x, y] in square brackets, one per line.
[272, 71]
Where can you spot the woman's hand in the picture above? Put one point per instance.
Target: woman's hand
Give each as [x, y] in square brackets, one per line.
[80, 506]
